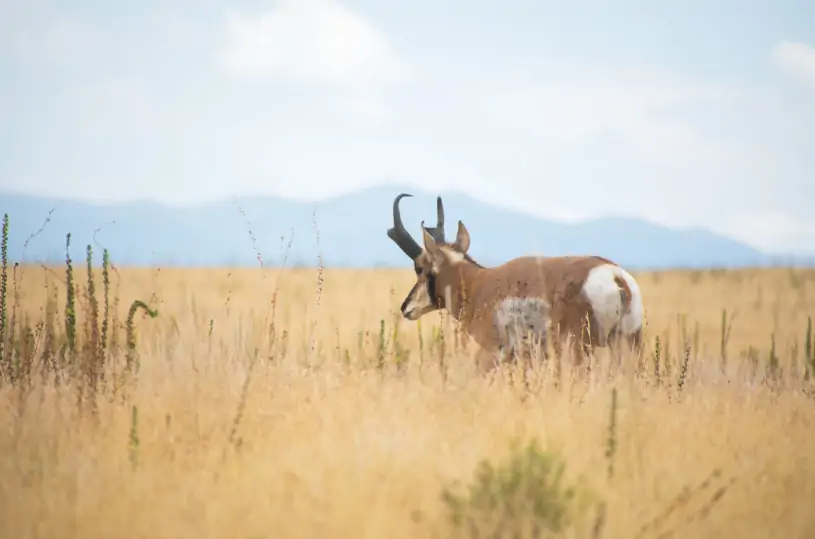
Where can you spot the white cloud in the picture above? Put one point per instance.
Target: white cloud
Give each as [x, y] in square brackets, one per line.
[66, 41]
[314, 41]
[639, 112]
[113, 107]
[674, 149]
[797, 59]
[364, 110]
[35, 31]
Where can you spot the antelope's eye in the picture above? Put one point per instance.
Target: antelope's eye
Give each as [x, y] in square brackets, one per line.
[418, 270]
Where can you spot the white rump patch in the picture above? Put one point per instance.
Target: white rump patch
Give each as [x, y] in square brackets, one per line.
[606, 300]
[515, 318]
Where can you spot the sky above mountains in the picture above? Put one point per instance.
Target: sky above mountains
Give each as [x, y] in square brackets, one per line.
[685, 114]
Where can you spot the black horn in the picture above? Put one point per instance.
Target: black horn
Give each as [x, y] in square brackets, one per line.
[437, 233]
[399, 235]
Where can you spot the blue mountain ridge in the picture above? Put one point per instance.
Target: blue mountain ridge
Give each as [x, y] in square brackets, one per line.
[351, 233]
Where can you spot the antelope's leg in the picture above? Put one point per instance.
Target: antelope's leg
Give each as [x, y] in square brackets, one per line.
[579, 344]
[615, 347]
[635, 344]
[486, 361]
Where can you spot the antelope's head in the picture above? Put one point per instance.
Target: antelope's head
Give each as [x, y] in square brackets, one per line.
[433, 263]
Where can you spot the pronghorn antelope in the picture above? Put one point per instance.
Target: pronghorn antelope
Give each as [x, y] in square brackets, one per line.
[589, 298]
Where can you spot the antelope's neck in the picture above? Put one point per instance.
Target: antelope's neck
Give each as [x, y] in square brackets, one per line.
[461, 304]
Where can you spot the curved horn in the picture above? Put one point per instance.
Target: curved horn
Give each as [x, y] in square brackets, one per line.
[437, 233]
[399, 235]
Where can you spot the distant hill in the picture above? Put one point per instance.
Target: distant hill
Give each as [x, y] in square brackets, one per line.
[351, 231]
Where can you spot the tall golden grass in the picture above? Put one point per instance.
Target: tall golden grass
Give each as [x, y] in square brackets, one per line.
[297, 403]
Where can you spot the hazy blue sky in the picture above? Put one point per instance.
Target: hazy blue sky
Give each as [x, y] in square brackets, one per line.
[684, 113]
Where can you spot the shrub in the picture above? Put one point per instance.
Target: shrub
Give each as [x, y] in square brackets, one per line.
[524, 496]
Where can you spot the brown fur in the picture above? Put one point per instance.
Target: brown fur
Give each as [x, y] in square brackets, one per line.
[625, 292]
[475, 292]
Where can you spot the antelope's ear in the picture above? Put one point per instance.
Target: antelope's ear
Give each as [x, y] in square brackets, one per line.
[462, 238]
[430, 244]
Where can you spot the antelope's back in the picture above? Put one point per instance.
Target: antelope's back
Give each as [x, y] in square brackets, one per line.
[553, 269]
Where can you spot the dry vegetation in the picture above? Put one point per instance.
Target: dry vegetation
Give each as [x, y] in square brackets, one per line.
[296, 403]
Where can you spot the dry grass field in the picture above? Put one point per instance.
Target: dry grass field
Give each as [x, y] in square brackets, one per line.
[317, 412]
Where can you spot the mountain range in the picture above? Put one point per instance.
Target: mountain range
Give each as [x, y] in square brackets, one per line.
[351, 233]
